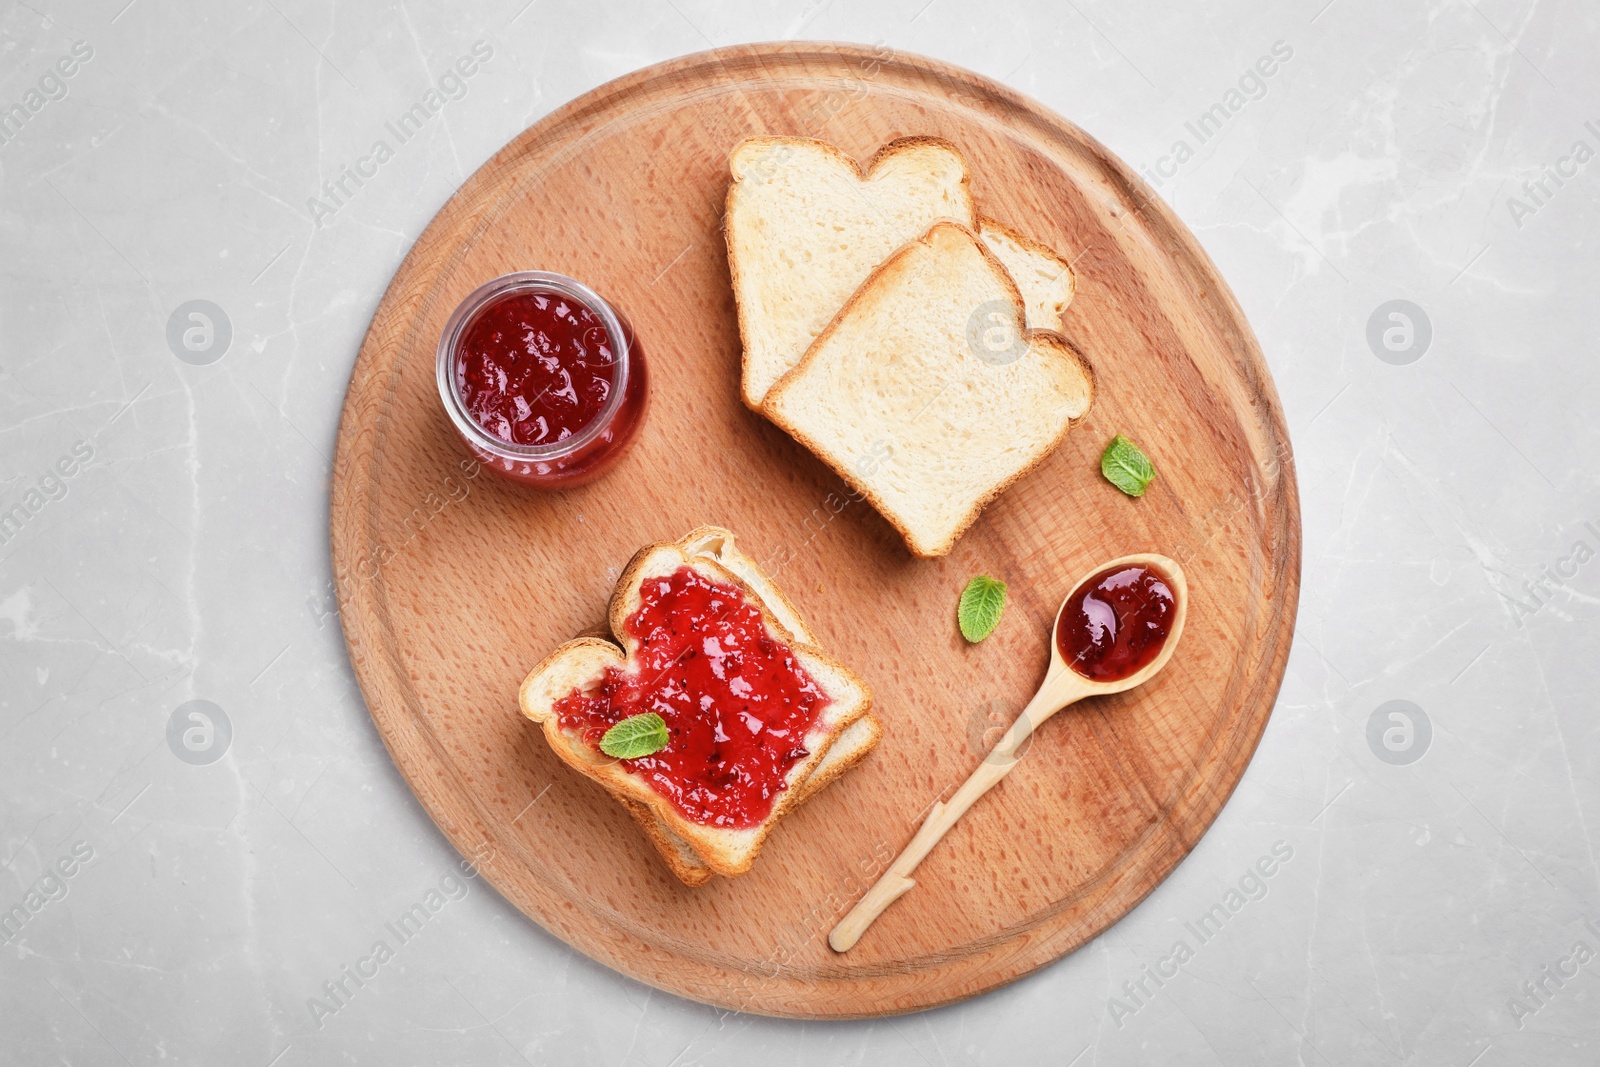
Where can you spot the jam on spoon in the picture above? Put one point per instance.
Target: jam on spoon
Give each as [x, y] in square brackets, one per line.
[1115, 623]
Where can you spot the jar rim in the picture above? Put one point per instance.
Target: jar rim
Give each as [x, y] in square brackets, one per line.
[528, 281]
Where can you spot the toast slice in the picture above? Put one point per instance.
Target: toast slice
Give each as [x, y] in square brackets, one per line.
[693, 849]
[805, 227]
[930, 364]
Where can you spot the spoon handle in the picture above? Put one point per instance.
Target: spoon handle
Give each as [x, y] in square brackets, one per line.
[1059, 690]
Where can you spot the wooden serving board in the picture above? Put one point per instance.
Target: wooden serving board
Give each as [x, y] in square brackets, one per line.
[452, 587]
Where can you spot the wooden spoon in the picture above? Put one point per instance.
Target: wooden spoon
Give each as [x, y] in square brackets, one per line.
[1062, 686]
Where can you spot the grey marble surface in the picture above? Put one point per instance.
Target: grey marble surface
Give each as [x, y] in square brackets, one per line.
[164, 535]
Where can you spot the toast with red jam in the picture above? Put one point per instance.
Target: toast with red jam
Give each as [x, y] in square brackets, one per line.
[753, 711]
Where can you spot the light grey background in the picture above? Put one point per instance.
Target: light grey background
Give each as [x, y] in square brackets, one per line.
[1384, 160]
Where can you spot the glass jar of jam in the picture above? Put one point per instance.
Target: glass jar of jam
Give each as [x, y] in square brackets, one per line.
[543, 379]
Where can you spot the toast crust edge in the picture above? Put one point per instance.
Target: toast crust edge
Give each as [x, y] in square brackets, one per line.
[671, 847]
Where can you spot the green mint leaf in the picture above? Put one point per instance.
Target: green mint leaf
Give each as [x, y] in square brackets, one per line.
[635, 736]
[1126, 467]
[982, 601]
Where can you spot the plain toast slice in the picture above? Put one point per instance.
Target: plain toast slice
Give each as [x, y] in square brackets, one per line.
[582, 664]
[928, 394]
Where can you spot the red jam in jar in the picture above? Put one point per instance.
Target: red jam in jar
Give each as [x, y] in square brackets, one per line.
[1115, 624]
[542, 378]
[736, 701]
[534, 368]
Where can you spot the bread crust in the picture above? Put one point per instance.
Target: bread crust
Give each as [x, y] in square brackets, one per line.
[583, 660]
[881, 156]
[1052, 339]
[826, 775]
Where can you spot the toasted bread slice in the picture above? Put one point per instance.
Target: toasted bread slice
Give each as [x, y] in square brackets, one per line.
[930, 365]
[582, 663]
[805, 227]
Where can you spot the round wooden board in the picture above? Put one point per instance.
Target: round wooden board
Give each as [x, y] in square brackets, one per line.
[452, 587]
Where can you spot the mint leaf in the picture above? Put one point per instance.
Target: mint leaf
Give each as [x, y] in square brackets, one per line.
[635, 736]
[1126, 467]
[982, 601]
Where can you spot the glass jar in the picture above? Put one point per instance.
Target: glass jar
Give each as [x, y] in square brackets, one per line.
[588, 449]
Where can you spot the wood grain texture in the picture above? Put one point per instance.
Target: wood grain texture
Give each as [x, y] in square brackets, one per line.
[452, 587]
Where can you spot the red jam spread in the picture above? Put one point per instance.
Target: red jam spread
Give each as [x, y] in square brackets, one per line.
[1114, 624]
[736, 701]
[534, 368]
